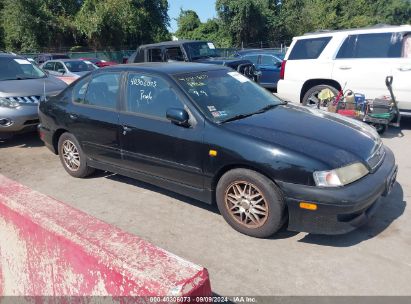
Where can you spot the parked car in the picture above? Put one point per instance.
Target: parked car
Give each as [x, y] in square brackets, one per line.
[99, 62]
[268, 62]
[210, 133]
[42, 58]
[68, 70]
[191, 51]
[22, 85]
[358, 60]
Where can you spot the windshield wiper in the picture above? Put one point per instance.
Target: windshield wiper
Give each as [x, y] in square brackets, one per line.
[241, 116]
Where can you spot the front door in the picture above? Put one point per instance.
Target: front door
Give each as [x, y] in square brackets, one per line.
[365, 60]
[150, 143]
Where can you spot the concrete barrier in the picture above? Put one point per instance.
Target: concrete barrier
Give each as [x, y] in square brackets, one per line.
[50, 249]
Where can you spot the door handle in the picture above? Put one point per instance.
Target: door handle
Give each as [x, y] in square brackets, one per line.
[126, 129]
[345, 67]
[405, 68]
[73, 116]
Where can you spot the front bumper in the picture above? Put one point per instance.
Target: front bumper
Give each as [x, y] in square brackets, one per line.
[340, 210]
[21, 119]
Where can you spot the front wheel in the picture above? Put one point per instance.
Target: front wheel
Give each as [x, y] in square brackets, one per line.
[72, 156]
[250, 202]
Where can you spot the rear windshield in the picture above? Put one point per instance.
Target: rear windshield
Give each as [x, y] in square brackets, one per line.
[308, 48]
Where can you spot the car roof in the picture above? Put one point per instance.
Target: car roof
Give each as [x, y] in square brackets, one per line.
[11, 55]
[167, 43]
[168, 68]
[379, 28]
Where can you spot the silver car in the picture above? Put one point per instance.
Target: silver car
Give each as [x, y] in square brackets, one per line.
[22, 85]
[68, 67]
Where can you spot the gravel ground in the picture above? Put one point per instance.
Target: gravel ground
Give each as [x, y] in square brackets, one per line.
[373, 260]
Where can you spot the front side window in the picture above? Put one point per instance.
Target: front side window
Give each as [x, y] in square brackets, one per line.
[80, 90]
[150, 95]
[16, 68]
[223, 95]
[59, 67]
[174, 54]
[252, 58]
[308, 48]
[102, 90]
[201, 50]
[379, 45]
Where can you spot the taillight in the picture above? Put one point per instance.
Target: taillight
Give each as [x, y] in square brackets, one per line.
[282, 71]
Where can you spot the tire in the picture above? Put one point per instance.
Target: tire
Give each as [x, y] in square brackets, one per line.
[242, 218]
[76, 166]
[314, 91]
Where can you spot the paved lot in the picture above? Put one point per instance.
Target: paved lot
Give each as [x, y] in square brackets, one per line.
[374, 260]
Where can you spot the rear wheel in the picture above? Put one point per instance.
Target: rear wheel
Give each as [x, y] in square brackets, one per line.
[250, 202]
[72, 156]
[311, 98]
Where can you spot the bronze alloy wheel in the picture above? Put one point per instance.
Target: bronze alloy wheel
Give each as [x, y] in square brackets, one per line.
[71, 155]
[246, 204]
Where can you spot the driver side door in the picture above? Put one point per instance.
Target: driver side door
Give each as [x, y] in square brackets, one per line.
[151, 144]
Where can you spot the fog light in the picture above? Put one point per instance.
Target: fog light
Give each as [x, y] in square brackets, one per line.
[5, 122]
[308, 206]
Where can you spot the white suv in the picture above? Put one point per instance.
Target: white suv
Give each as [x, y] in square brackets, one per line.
[358, 60]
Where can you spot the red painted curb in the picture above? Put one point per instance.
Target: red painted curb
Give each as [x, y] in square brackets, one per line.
[50, 249]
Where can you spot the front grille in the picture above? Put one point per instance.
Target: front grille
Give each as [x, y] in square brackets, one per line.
[376, 158]
[25, 99]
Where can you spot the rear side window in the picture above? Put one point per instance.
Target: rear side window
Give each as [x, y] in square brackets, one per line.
[102, 91]
[154, 55]
[308, 48]
[380, 45]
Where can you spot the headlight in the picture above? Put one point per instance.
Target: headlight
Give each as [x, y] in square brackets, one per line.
[7, 103]
[341, 176]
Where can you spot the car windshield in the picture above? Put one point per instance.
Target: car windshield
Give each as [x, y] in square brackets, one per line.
[15, 68]
[224, 95]
[198, 50]
[79, 66]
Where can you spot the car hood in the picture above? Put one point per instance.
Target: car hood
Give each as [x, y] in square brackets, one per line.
[329, 138]
[31, 87]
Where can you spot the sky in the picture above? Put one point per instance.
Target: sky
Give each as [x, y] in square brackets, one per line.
[204, 8]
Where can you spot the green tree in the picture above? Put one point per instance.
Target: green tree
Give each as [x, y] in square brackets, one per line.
[187, 22]
[123, 23]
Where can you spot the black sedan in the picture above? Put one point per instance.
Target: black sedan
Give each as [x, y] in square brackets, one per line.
[210, 133]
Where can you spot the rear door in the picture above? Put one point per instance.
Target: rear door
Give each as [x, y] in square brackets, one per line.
[93, 116]
[365, 60]
[150, 143]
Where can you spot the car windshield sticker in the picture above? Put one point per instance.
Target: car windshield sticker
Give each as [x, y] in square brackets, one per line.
[211, 45]
[211, 108]
[88, 62]
[142, 82]
[215, 114]
[22, 61]
[195, 81]
[239, 77]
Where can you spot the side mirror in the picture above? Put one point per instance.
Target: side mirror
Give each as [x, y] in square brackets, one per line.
[179, 117]
[62, 71]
